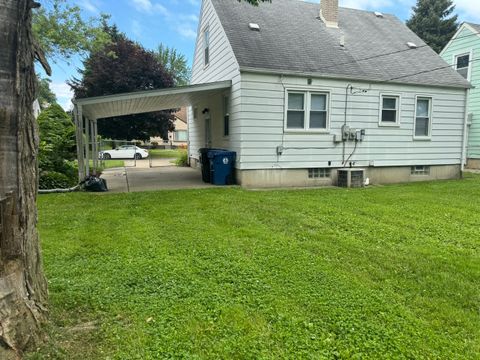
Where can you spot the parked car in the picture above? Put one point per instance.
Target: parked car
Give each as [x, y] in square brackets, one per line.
[124, 152]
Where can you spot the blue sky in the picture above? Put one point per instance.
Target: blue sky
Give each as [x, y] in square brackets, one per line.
[174, 23]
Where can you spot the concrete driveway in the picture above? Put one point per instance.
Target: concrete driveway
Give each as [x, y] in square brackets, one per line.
[132, 179]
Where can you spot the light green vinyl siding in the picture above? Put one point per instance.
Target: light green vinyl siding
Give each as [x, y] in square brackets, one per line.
[467, 42]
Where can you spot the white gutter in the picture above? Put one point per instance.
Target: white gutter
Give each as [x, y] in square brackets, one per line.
[465, 132]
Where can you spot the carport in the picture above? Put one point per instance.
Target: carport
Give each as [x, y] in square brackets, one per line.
[88, 111]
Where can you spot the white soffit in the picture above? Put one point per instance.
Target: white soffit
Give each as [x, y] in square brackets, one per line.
[147, 101]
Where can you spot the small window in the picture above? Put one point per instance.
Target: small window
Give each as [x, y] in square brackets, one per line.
[423, 117]
[462, 65]
[390, 110]
[307, 111]
[180, 135]
[226, 116]
[319, 173]
[420, 170]
[206, 45]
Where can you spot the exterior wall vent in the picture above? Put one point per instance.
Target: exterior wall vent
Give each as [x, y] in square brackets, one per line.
[254, 27]
[378, 14]
[351, 178]
[412, 45]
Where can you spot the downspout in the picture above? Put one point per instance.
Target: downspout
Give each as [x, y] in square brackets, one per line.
[465, 133]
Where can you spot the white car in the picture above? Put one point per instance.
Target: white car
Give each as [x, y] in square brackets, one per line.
[124, 152]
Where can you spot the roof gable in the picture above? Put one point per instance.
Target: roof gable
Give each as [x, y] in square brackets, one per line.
[293, 39]
[473, 28]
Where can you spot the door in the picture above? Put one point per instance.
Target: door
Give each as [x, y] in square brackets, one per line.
[208, 131]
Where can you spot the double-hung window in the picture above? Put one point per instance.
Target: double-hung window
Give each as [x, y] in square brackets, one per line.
[423, 117]
[462, 65]
[390, 110]
[206, 46]
[307, 111]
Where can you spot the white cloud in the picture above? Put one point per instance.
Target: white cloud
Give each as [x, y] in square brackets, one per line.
[147, 6]
[366, 4]
[136, 29]
[64, 94]
[188, 33]
[90, 5]
[468, 10]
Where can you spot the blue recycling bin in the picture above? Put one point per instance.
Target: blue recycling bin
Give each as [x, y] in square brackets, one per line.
[222, 166]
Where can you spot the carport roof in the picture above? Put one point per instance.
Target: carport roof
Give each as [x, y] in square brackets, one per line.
[148, 101]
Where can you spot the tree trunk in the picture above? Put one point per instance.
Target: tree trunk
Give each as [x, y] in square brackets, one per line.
[23, 288]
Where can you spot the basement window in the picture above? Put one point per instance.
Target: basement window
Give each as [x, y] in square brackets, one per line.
[421, 170]
[319, 173]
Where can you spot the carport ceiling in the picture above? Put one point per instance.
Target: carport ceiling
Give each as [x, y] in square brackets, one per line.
[148, 101]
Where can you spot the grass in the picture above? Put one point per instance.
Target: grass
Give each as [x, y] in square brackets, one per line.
[108, 164]
[166, 154]
[385, 272]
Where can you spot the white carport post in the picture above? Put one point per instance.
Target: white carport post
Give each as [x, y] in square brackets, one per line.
[78, 115]
[95, 144]
[87, 147]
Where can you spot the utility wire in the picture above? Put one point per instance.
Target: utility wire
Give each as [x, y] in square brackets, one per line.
[387, 54]
[426, 71]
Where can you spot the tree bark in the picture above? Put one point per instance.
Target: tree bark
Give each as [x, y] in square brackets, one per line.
[23, 288]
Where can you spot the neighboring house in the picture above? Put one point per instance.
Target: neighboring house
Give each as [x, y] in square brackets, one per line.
[295, 69]
[36, 108]
[463, 52]
[178, 137]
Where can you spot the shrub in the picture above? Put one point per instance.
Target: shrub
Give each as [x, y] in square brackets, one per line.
[154, 144]
[183, 159]
[55, 180]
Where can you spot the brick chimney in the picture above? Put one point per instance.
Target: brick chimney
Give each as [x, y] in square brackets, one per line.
[329, 12]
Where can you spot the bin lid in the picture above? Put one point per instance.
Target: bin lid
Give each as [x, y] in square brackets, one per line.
[216, 152]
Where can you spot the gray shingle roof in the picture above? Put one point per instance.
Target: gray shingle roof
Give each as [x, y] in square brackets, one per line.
[293, 39]
[475, 26]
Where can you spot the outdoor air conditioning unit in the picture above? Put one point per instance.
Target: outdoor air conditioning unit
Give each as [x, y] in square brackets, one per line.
[351, 178]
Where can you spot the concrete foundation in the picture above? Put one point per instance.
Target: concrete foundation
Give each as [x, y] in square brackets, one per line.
[273, 178]
[473, 164]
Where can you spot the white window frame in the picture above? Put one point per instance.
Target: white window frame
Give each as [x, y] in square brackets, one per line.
[470, 54]
[307, 109]
[319, 173]
[398, 97]
[423, 171]
[226, 105]
[206, 45]
[430, 122]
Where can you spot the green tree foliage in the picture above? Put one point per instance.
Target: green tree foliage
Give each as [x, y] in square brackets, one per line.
[61, 32]
[57, 143]
[46, 96]
[175, 63]
[434, 22]
[125, 66]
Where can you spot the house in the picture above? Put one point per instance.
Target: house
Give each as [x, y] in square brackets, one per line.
[316, 88]
[179, 136]
[462, 52]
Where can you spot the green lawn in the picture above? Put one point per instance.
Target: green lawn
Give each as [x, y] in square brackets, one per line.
[379, 273]
[166, 154]
[108, 164]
